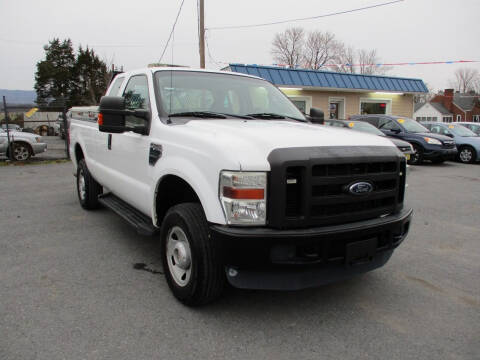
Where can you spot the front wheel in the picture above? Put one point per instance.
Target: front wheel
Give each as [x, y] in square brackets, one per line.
[417, 157]
[88, 188]
[467, 155]
[21, 152]
[191, 261]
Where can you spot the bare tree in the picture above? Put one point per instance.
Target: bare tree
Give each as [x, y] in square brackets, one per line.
[287, 47]
[360, 61]
[466, 79]
[320, 49]
[344, 59]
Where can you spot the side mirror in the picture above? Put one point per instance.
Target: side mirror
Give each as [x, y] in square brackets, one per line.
[396, 131]
[449, 135]
[111, 117]
[317, 116]
[112, 113]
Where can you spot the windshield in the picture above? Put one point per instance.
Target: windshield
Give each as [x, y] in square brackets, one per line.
[197, 92]
[365, 127]
[412, 126]
[460, 130]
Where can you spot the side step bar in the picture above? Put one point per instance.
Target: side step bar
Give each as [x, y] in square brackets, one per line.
[142, 223]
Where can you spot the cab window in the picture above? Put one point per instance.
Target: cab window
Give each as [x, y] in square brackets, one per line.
[136, 98]
[115, 89]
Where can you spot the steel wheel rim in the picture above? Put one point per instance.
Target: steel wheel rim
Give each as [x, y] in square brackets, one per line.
[466, 155]
[21, 153]
[179, 256]
[82, 192]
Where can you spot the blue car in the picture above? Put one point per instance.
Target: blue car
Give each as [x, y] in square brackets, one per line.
[468, 143]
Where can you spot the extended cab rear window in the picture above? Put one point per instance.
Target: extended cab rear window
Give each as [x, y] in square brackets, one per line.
[115, 88]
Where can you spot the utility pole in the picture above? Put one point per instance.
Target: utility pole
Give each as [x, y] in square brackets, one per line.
[9, 147]
[202, 35]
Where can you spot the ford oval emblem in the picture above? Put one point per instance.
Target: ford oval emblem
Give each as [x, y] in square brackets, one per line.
[360, 188]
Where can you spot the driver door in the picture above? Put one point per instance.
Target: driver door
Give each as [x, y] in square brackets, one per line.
[128, 153]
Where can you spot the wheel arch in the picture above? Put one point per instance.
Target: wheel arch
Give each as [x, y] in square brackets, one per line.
[171, 190]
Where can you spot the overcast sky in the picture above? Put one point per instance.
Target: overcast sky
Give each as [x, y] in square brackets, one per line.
[133, 33]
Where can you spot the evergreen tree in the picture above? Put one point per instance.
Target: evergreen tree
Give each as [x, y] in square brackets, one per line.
[65, 79]
[92, 77]
[54, 79]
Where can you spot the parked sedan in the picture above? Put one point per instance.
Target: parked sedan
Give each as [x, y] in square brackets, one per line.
[403, 146]
[426, 145]
[475, 127]
[23, 144]
[468, 143]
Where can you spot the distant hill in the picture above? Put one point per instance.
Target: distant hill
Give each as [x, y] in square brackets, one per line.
[18, 96]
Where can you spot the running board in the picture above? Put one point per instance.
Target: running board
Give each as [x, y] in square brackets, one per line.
[142, 223]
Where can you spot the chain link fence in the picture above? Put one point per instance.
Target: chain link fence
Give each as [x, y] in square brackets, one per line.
[33, 134]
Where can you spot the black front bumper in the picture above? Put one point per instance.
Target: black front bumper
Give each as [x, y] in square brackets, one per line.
[264, 258]
[445, 154]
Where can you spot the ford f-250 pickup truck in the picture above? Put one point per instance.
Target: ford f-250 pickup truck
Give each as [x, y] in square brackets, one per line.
[242, 187]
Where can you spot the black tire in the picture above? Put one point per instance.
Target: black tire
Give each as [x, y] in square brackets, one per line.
[206, 276]
[466, 155]
[21, 151]
[90, 189]
[417, 157]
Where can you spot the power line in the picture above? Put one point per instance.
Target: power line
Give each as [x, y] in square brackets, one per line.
[171, 32]
[303, 19]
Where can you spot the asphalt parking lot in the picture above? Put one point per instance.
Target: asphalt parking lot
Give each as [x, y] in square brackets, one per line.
[69, 289]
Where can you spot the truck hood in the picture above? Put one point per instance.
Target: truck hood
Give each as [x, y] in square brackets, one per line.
[251, 141]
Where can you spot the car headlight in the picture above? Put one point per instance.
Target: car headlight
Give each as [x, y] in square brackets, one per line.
[432, 141]
[38, 139]
[243, 196]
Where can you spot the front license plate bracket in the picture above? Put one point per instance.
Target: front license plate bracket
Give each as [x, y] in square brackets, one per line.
[360, 252]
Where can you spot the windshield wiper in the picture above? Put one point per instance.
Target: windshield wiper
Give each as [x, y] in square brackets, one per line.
[273, 116]
[266, 116]
[199, 114]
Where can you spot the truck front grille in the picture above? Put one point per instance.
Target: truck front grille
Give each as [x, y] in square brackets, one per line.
[315, 192]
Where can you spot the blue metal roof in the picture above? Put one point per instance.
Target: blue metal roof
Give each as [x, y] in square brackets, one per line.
[328, 79]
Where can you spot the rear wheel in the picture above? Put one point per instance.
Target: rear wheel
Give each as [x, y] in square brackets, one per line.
[87, 188]
[417, 157]
[467, 155]
[191, 261]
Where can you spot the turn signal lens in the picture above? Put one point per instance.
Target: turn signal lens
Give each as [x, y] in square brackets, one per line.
[247, 194]
[100, 119]
[243, 197]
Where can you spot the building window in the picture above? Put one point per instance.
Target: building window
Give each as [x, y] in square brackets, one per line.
[373, 108]
[303, 103]
[476, 118]
[447, 119]
[459, 117]
[418, 118]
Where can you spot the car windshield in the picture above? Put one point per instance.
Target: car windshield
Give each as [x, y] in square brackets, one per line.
[460, 130]
[365, 127]
[200, 94]
[412, 126]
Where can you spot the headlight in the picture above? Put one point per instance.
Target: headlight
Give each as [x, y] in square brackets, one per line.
[432, 141]
[38, 139]
[243, 197]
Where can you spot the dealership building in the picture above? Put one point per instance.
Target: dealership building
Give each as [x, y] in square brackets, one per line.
[340, 95]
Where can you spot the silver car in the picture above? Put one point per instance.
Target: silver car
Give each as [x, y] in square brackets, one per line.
[24, 145]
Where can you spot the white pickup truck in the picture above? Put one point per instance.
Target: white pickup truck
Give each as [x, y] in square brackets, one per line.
[242, 187]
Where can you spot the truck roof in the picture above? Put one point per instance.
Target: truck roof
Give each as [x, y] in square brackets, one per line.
[179, 69]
